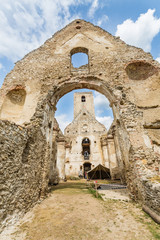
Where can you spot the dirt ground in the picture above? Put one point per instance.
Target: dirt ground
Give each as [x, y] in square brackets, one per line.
[72, 212]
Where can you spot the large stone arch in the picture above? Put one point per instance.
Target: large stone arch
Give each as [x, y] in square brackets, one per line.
[126, 75]
[99, 85]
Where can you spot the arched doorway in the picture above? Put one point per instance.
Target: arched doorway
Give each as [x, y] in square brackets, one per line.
[86, 168]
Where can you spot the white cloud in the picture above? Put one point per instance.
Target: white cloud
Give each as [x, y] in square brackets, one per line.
[102, 20]
[106, 121]
[141, 32]
[26, 24]
[101, 104]
[158, 59]
[93, 8]
[63, 120]
[100, 101]
[1, 66]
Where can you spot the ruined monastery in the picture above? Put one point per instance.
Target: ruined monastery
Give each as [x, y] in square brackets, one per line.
[85, 144]
[32, 146]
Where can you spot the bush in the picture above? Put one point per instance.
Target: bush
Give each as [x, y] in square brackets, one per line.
[54, 178]
[72, 178]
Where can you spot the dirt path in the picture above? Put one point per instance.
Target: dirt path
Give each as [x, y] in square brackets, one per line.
[72, 213]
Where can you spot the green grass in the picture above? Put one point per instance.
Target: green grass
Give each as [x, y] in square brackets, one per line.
[154, 232]
[70, 185]
[73, 178]
[94, 193]
[153, 227]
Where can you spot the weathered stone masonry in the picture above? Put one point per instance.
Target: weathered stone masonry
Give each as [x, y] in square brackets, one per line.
[22, 166]
[126, 75]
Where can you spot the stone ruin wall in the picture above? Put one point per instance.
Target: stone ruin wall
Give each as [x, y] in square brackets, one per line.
[126, 75]
[110, 156]
[22, 167]
[27, 164]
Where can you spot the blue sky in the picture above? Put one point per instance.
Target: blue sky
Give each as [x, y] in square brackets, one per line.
[103, 112]
[26, 24]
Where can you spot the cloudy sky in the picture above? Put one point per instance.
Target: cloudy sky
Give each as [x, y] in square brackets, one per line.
[26, 24]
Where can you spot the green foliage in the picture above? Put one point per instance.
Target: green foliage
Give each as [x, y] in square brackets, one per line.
[94, 193]
[72, 178]
[152, 226]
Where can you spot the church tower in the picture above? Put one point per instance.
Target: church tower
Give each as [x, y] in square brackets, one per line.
[83, 134]
[83, 101]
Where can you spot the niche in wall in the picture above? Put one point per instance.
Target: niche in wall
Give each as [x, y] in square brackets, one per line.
[140, 70]
[13, 104]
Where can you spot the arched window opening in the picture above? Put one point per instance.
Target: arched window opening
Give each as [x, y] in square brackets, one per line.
[86, 141]
[79, 60]
[86, 148]
[83, 99]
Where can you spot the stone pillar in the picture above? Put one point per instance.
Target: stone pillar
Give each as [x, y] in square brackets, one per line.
[67, 159]
[53, 174]
[61, 154]
[112, 157]
[104, 144]
[53, 163]
[120, 161]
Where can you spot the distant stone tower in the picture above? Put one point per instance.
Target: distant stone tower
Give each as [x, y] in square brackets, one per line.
[83, 101]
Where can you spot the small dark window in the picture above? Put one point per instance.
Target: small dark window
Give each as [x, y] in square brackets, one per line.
[83, 99]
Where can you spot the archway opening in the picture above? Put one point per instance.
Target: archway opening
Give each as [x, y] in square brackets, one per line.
[65, 108]
[86, 168]
[85, 123]
[86, 148]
